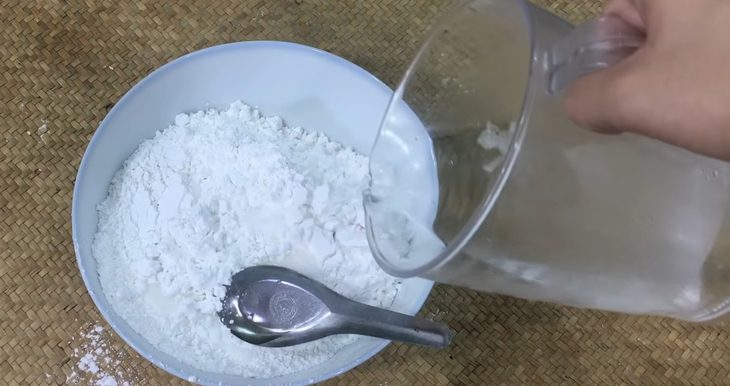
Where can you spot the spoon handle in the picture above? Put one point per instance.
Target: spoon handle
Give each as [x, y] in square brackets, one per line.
[361, 319]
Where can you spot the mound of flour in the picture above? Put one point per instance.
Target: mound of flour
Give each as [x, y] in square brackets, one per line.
[214, 193]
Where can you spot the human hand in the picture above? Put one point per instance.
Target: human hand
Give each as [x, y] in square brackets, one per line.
[675, 88]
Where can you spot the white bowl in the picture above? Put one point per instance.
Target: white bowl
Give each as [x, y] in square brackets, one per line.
[305, 86]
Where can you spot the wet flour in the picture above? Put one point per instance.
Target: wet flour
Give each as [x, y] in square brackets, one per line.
[214, 193]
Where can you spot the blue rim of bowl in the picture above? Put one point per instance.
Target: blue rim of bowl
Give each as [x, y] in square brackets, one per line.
[131, 94]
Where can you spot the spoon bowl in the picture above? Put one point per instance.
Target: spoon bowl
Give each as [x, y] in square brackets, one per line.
[277, 307]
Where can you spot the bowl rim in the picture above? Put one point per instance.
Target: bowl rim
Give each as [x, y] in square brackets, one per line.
[80, 177]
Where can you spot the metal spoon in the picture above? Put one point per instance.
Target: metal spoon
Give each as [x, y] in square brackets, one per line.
[277, 307]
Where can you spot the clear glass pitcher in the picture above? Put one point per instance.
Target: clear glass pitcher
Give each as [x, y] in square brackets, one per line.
[480, 180]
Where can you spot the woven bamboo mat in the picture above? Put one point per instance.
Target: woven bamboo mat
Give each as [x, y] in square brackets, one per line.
[63, 63]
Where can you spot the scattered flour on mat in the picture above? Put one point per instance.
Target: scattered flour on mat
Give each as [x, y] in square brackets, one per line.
[42, 131]
[96, 363]
[214, 193]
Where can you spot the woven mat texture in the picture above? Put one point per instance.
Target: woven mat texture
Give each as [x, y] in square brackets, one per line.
[63, 63]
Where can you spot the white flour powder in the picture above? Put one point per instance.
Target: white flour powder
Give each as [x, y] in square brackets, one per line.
[97, 362]
[217, 192]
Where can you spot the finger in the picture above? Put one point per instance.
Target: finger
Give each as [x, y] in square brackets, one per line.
[631, 11]
[589, 102]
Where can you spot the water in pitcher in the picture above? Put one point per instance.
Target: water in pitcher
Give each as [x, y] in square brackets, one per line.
[624, 245]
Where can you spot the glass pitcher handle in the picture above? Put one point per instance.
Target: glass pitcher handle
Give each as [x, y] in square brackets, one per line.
[593, 46]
